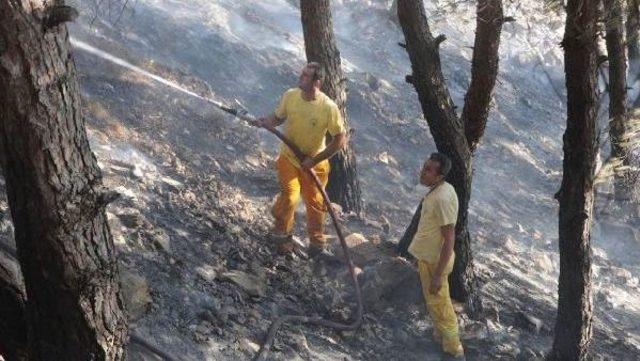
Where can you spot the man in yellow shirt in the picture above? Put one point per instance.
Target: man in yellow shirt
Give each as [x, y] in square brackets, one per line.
[432, 246]
[308, 115]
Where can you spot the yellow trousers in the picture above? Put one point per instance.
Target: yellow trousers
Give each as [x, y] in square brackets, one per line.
[441, 310]
[294, 181]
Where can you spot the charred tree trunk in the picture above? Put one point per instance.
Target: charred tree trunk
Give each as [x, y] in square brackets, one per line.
[13, 322]
[446, 128]
[617, 85]
[633, 28]
[484, 70]
[449, 132]
[575, 305]
[53, 186]
[320, 44]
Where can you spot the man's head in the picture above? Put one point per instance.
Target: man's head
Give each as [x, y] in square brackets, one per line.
[435, 169]
[311, 77]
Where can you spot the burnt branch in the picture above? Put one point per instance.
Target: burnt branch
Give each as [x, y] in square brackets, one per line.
[59, 14]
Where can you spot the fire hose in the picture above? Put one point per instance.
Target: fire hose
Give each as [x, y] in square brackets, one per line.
[275, 325]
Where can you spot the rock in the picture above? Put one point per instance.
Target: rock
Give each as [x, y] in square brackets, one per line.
[510, 350]
[528, 354]
[207, 273]
[223, 314]
[161, 240]
[621, 276]
[126, 193]
[252, 285]
[528, 322]
[131, 219]
[299, 342]
[135, 293]
[172, 183]
[137, 172]
[373, 82]
[207, 315]
[337, 209]
[605, 300]
[542, 262]
[247, 346]
[384, 157]
[386, 226]
[476, 330]
[509, 244]
[355, 239]
[362, 251]
[390, 282]
[201, 331]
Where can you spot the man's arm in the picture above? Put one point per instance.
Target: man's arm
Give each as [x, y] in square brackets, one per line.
[449, 235]
[270, 121]
[337, 143]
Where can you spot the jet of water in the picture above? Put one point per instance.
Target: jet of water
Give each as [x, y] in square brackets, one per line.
[121, 62]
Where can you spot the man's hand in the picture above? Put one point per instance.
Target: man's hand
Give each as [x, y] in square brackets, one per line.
[401, 260]
[270, 121]
[308, 163]
[259, 122]
[338, 143]
[436, 284]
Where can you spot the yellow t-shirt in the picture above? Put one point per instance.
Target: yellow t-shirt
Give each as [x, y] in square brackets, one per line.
[439, 208]
[307, 122]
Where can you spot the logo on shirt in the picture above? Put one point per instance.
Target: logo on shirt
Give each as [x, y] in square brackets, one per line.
[314, 121]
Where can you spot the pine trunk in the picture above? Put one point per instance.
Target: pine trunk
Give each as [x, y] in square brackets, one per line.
[573, 329]
[484, 70]
[320, 44]
[53, 184]
[633, 28]
[13, 323]
[615, 39]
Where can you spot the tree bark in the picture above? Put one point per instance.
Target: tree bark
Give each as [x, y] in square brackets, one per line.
[633, 28]
[402, 249]
[449, 132]
[320, 45]
[484, 70]
[53, 184]
[13, 323]
[615, 39]
[573, 329]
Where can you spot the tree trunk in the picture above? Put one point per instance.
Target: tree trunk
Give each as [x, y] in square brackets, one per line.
[633, 28]
[575, 305]
[455, 137]
[484, 70]
[53, 184]
[13, 323]
[320, 45]
[402, 249]
[617, 85]
[393, 12]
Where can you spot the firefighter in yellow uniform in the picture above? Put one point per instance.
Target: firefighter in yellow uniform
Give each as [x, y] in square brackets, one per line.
[308, 115]
[432, 246]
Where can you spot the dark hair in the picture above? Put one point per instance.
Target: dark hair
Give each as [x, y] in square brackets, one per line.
[444, 163]
[318, 71]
